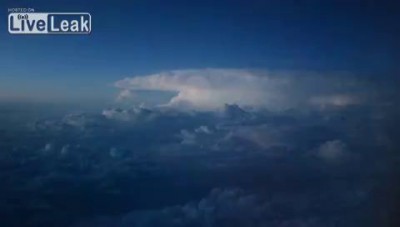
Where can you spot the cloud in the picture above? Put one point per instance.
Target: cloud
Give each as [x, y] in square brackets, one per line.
[334, 150]
[210, 89]
[119, 156]
[219, 208]
[203, 129]
[262, 136]
[226, 207]
[188, 138]
[222, 207]
[198, 134]
[125, 95]
[234, 113]
[114, 152]
[133, 115]
[65, 149]
[340, 100]
[48, 147]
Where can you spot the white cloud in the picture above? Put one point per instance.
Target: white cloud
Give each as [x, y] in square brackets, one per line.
[64, 149]
[337, 100]
[48, 147]
[334, 150]
[188, 138]
[196, 136]
[116, 114]
[125, 95]
[210, 89]
[203, 129]
[133, 114]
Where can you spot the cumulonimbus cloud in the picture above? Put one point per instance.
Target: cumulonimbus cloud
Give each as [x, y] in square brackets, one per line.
[209, 89]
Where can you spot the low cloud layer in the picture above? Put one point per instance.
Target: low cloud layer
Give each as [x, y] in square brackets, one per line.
[221, 208]
[210, 89]
[241, 166]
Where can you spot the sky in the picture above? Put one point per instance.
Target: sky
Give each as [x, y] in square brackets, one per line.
[136, 38]
[203, 114]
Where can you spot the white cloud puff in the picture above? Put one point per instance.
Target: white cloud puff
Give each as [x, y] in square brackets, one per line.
[210, 89]
[334, 150]
[48, 147]
[124, 95]
[134, 114]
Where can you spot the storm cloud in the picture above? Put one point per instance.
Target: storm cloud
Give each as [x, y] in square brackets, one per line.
[210, 89]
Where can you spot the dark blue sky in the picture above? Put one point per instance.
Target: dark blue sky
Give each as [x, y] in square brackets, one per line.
[143, 37]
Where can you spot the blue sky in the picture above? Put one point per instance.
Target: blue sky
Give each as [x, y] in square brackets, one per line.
[144, 37]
